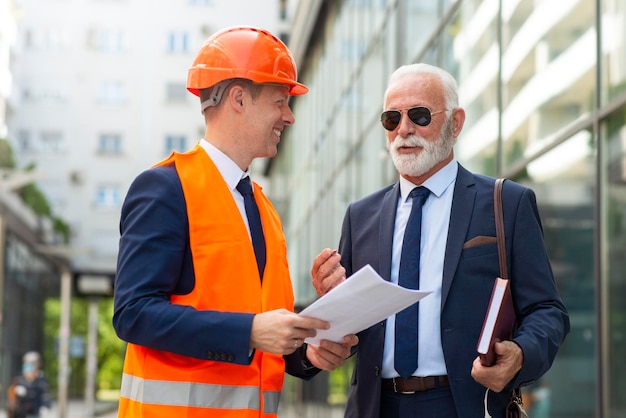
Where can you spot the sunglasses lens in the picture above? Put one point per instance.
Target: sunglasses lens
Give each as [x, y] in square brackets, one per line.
[419, 115]
[390, 119]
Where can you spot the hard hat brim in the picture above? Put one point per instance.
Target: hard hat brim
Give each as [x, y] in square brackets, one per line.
[208, 77]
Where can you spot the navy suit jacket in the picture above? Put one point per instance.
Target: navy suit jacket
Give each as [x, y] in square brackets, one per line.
[154, 263]
[470, 268]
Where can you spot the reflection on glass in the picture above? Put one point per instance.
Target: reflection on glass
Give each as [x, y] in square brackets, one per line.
[473, 61]
[569, 158]
[613, 49]
[421, 19]
[614, 201]
[564, 182]
[548, 71]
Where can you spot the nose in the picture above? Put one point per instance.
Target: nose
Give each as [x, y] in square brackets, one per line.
[406, 126]
[288, 116]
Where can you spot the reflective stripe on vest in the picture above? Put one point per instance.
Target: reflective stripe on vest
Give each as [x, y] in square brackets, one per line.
[200, 395]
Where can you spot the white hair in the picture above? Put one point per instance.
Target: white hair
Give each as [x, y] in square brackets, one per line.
[448, 82]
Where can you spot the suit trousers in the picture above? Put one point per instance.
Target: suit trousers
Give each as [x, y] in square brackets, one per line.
[433, 403]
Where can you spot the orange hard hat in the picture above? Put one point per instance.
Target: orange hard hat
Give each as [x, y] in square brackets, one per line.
[244, 52]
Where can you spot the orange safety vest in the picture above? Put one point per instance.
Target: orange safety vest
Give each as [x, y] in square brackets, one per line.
[162, 384]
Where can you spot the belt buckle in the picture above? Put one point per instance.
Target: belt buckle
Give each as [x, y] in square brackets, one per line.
[395, 389]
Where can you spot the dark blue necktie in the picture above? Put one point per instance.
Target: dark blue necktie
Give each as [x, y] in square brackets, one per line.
[254, 222]
[405, 355]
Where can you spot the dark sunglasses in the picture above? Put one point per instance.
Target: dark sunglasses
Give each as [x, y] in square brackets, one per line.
[420, 115]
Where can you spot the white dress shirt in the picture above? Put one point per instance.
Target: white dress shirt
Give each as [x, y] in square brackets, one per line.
[435, 221]
[231, 174]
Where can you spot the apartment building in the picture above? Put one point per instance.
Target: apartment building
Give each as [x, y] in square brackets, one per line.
[8, 34]
[100, 96]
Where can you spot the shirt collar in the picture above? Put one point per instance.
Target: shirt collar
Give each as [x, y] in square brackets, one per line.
[227, 167]
[437, 183]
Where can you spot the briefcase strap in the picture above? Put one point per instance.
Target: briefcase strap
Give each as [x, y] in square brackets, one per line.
[516, 395]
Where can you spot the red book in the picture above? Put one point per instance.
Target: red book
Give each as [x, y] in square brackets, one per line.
[499, 322]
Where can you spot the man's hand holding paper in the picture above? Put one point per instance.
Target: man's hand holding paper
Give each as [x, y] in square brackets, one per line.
[356, 304]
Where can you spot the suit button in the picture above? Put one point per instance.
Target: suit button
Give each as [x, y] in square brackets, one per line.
[209, 355]
[376, 371]
[231, 358]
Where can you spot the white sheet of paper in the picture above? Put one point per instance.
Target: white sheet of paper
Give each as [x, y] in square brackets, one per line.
[362, 300]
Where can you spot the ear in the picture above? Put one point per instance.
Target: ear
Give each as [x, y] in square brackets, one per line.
[458, 120]
[236, 96]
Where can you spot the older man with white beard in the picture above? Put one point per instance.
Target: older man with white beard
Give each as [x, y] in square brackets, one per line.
[423, 362]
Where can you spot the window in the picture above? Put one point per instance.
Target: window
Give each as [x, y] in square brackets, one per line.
[56, 94]
[48, 39]
[175, 143]
[614, 242]
[111, 92]
[108, 41]
[176, 92]
[110, 144]
[108, 196]
[51, 142]
[24, 141]
[178, 42]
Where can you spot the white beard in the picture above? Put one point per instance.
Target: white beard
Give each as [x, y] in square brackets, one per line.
[432, 152]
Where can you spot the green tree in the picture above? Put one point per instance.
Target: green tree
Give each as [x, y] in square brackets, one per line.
[31, 194]
[6, 154]
[110, 348]
[34, 197]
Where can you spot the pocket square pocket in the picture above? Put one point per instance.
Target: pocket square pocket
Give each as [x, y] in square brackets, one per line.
[478, 241]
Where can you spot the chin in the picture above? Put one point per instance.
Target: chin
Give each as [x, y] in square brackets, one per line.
[271, 152]
[412, 165]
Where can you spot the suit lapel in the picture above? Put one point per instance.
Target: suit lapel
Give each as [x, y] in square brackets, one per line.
[460, 216]
[385, 232]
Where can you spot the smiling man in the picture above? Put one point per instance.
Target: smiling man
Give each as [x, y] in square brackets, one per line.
[203, 293]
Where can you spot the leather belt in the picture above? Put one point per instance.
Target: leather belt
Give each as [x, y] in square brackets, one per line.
[414, 384]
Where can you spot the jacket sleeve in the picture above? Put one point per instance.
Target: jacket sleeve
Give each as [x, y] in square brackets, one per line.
[295, 366]
[154, 262]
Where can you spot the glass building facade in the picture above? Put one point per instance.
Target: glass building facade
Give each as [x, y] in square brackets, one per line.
[543, 83]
